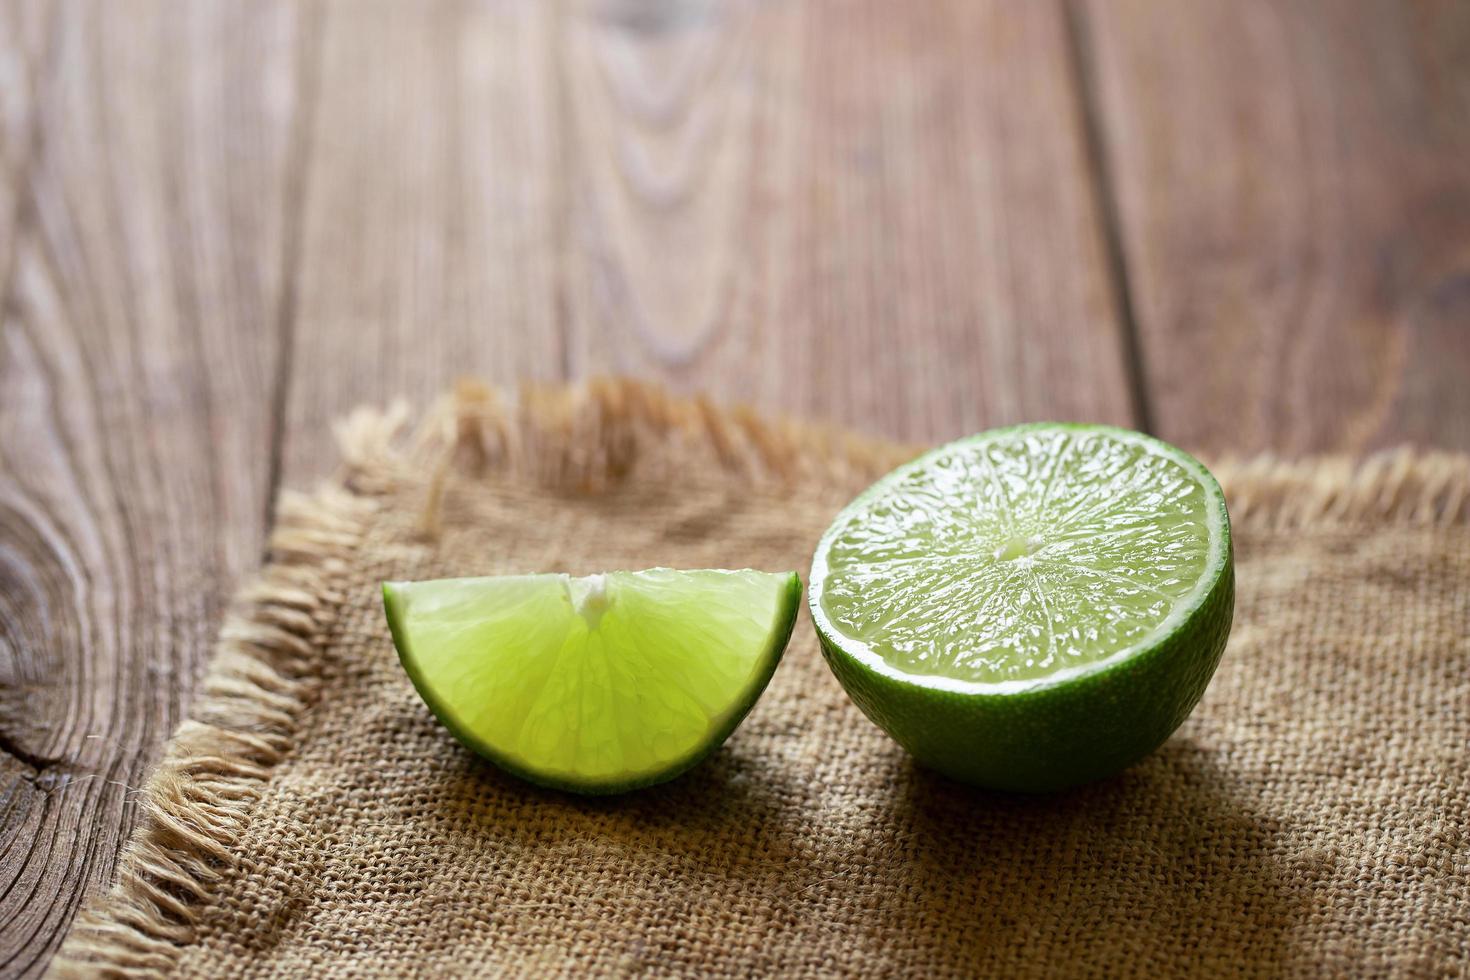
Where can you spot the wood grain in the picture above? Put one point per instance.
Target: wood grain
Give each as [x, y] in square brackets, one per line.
[875, 216]
[430, 243]
[1294, 187]
[869, 212]
[137, 358]
[24, 29]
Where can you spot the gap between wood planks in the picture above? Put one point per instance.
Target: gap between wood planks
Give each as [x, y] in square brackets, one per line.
[308, 73]
[1100, 174]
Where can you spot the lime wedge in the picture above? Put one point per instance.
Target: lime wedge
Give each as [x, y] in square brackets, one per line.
[598, 684]
[1032, 607]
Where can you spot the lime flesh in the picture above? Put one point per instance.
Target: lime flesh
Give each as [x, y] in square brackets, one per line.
[597, 684]
[1032, 607]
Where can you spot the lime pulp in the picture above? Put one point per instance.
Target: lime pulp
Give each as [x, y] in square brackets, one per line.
[595, 684]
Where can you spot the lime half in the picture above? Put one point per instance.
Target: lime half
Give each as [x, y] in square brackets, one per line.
[1032, 607]
[598, 684]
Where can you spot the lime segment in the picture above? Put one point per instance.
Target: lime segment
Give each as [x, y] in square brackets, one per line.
[595, 684]
[1030, 607]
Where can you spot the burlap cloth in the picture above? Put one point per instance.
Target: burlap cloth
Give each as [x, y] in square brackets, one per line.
[1313, 816]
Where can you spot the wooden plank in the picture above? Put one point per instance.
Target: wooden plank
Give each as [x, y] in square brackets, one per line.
[871, 212]
[1295, 201]
[431, 213]
[137, 359]
[23, 31]
[876, 215]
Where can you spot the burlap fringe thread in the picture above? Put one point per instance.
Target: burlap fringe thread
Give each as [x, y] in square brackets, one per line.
[586, 437]
[198, 800]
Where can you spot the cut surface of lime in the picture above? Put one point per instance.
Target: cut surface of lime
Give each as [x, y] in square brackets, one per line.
[597, 684]
[1033, 606]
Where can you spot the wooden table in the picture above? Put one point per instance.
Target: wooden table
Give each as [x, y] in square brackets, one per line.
[1242, 226]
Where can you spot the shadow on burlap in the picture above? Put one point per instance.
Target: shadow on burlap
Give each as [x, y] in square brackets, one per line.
[313, 818]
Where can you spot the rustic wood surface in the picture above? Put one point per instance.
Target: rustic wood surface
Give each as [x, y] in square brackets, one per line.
[1242, 226]
[23, 34]
[1293, 190]
[139, 356]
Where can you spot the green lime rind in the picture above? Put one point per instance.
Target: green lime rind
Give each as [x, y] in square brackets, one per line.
[1057, 732]
[775, 646]
[1052, 736]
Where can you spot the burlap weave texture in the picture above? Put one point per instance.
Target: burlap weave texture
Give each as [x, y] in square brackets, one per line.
[1312, 817]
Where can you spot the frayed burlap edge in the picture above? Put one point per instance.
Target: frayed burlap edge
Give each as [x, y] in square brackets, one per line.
[585, 437]
[243, 723]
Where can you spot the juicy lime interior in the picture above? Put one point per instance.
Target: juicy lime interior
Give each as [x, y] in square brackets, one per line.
[1022, 554]
[600, 680]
